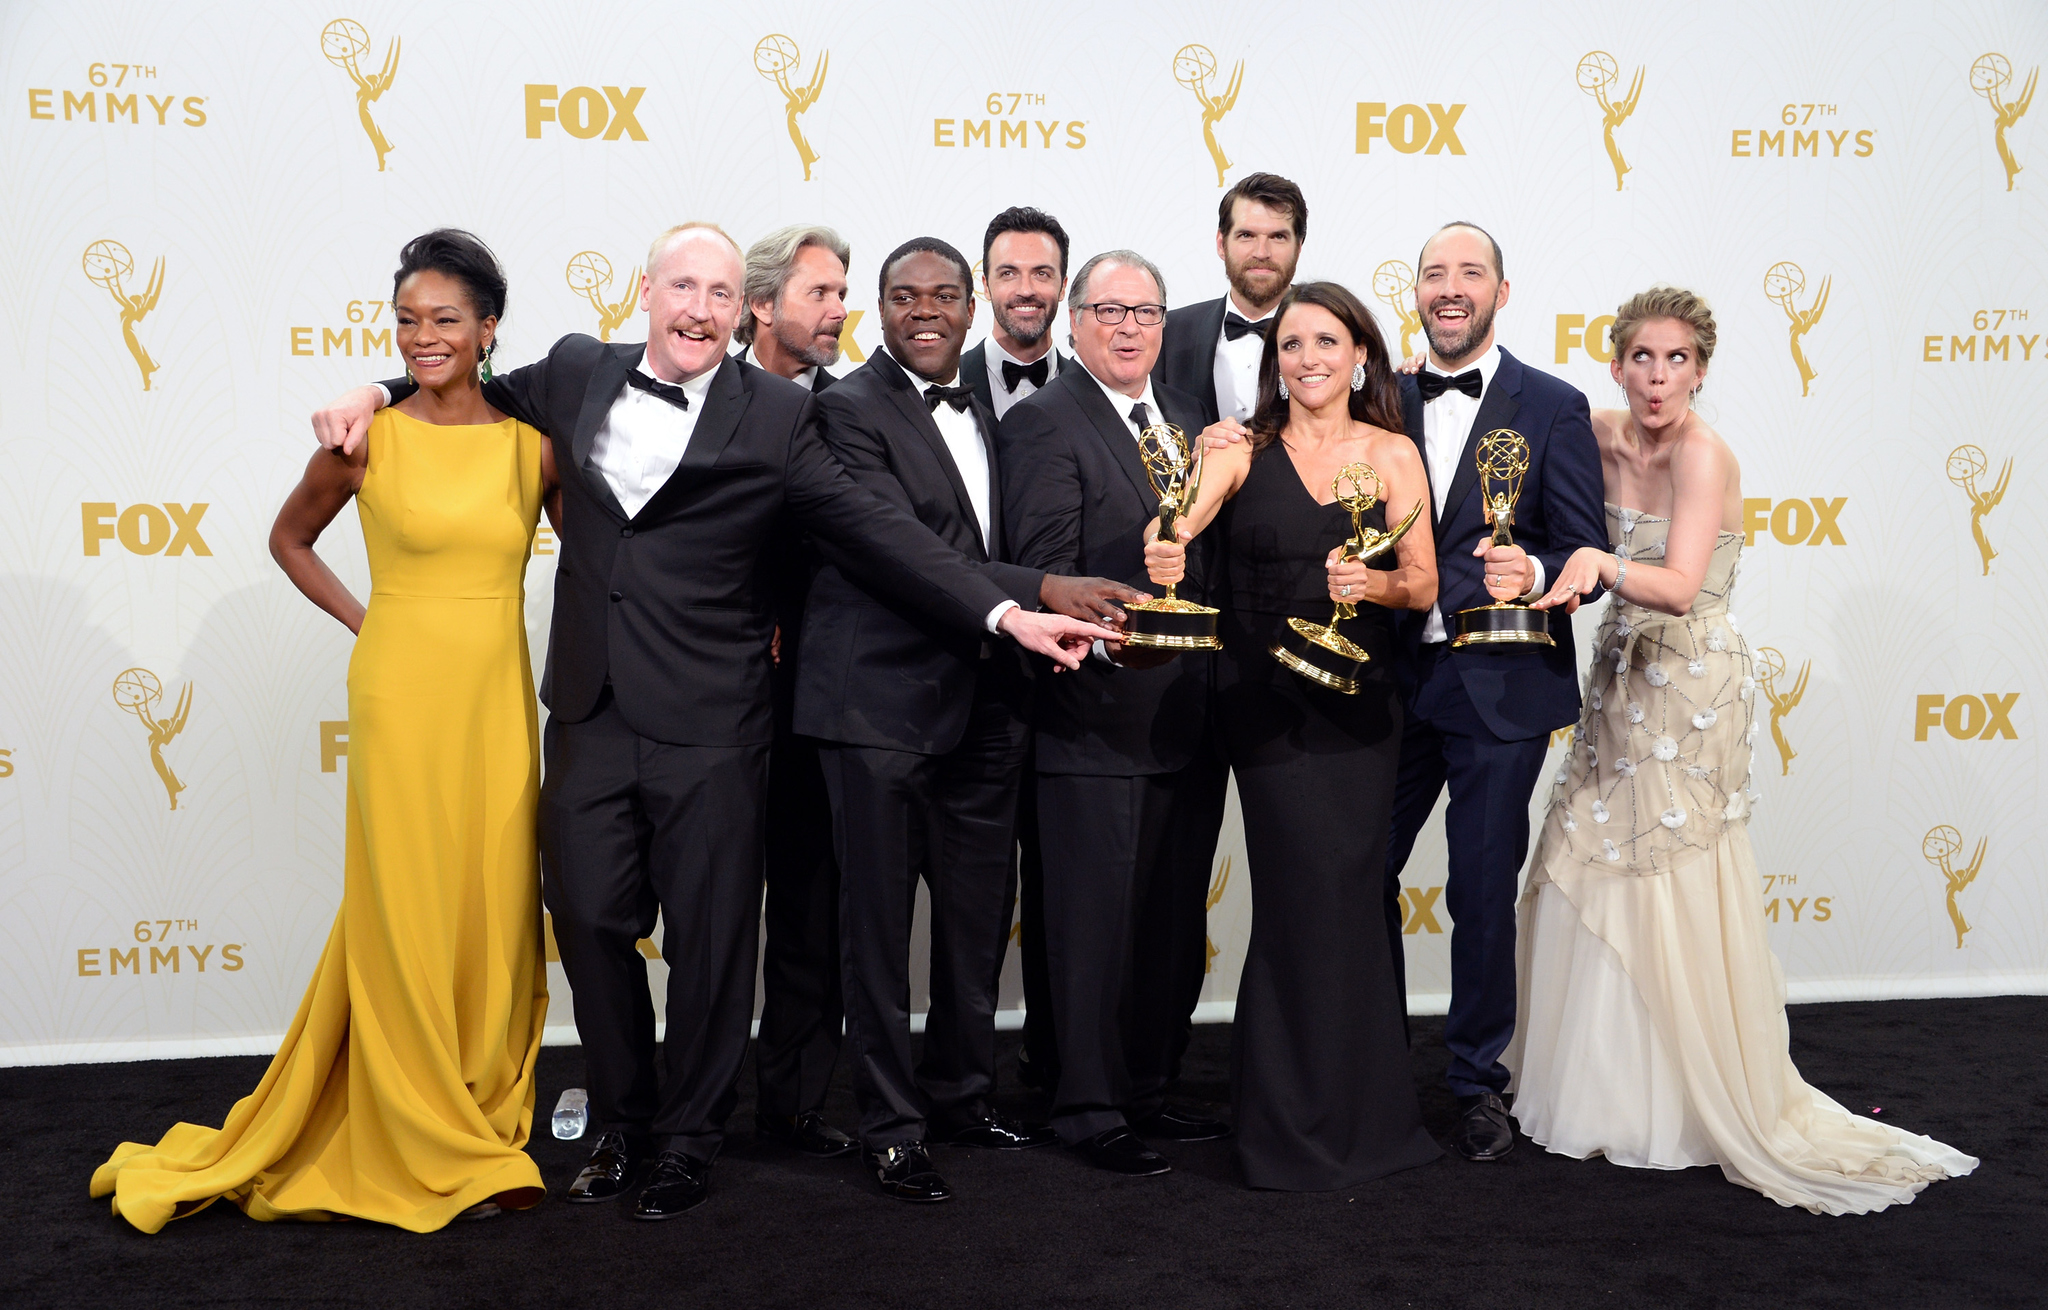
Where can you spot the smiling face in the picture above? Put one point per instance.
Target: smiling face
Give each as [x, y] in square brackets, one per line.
[1316, 356]
[1659, 370]
[927, 303]
[1259, 253]
[807, 319]
[1121, 355]
[1457, 292]
[439, 332]
[1024, 288]
[692, 299]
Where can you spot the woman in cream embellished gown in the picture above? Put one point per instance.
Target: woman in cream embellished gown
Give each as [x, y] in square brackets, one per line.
[1652, 1023]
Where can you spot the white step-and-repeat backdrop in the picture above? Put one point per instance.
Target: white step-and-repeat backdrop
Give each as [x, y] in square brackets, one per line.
[203, 205]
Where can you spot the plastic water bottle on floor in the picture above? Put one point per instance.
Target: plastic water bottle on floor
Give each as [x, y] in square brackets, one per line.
[572, 1114]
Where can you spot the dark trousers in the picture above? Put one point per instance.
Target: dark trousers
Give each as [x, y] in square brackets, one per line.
[1175, 945]
[950, 819]
[801, 1016]
[1041, 1042]
[629, 826]
[1109, 850]
[1487, 830]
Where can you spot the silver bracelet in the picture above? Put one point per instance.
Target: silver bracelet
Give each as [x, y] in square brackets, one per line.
[1620, 571]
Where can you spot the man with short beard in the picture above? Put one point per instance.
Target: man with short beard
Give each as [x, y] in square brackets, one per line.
[1024, 273]
[796, 288]
[1211, 350]
[1480, 718]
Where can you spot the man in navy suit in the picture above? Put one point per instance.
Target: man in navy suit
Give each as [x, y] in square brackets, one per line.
[1480, 718]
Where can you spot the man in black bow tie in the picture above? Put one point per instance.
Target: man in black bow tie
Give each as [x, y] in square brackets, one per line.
[1211, 350]
[1024, 273]
[923, 734]
[1479, 718]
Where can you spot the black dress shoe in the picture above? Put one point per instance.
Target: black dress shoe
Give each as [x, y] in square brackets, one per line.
[1035, 1073]
[679, 1183]
[997, 1132]
[1120, 1152]
[905, 1172]
[1483, 1131]
[807, 1132]
[1179, 1124]
[613, 1163]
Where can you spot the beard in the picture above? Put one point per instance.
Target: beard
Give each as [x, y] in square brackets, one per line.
[1478, 323]
[815, 349]
[1023, 334]
[1249, 291]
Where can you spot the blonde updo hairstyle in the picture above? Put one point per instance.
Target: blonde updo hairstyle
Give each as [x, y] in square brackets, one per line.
[1677, 303]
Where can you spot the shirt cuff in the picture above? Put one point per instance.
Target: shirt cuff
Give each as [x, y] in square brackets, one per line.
[1536, 588]
[1101, 652]
[995, 616]
[385, 392]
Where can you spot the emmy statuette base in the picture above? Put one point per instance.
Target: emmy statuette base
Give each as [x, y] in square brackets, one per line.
[1501, 624]
[1171, 624]
[1322, 655]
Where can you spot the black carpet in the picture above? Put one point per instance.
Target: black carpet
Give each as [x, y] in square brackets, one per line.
[1042, 1229]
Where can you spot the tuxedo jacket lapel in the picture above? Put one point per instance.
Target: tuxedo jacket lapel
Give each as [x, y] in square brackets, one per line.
[918, 415]
[725, 404]
[985, 419]
[607, 380]
[1109, 425]
[1497, 409]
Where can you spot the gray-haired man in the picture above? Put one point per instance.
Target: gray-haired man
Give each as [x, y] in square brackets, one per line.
[795, 303]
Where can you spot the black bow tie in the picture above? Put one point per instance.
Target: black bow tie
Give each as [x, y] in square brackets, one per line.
[958, 397]
[1013, 372]
[1432, 385]
[1236, 325]
[658, 389]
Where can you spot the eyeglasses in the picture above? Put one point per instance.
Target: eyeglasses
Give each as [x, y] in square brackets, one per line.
[1109, 315]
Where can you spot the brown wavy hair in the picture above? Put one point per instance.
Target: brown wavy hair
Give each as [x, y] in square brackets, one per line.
[1686, 307]
[1378, 402]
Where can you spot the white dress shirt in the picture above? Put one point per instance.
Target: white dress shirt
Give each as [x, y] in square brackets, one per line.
[1446, 426]
[995, 355]
[962, 434]
[643, 438]
[1123, 405]
[808, 379]
[1237, 366]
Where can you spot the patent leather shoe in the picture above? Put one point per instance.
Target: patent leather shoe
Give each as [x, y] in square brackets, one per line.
[1180, 1124]
[1120, 1151]
[905, 1172]
[1483, 1131]
[997, 1132]
[613, 1162]
[679, 1183]
[807, 1132]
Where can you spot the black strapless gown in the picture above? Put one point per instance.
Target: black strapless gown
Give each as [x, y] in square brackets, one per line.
[1323, 1093]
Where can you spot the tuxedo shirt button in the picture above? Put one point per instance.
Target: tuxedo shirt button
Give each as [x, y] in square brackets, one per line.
[625, 532]
[618, 595]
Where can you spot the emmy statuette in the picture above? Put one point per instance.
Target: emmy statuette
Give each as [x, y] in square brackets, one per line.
[1503, 462]
[1317, 651]
[1173, 465]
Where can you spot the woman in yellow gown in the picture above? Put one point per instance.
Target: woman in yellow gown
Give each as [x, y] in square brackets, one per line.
[403, 1091]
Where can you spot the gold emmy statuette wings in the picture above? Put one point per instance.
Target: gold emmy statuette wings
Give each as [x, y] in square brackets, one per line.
[1598, 72]
[1940, 846]
[1783, 282]
[1173, 466]
[139, 692]
[344, 41]
[1216, 886]
[589, 273]
[1193, 66]
[106, 264]
[775, 56]
[1318, 651]
[1393, 284]
[1770, 668]
[1989, 77]
[1967, 463]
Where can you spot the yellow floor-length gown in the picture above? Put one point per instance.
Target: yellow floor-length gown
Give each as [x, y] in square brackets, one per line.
[403, 1092]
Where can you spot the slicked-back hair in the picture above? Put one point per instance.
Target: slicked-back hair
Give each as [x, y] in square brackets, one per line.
[1500, 271]
[1274, 192]
[771, 262]
[1378, 402]
[1077, 291]
[462, 256]
[926, 245]
[1023, 218]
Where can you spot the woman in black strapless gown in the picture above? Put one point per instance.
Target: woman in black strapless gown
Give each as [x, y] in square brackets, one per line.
[1321, 1083]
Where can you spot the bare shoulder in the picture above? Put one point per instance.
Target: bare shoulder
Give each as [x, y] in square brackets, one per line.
[1393, 451]
[1608, 425]
[1701, 450]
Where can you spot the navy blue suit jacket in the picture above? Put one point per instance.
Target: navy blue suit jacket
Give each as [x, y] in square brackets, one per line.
[1519, 691]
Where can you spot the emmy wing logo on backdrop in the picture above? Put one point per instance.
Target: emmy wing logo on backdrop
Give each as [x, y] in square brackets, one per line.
[1989, 77]
[1941, 845]
[107, 263]
[1216, 886]
[1394, 284]
[1770, 670]
[589, 273]
[1193, 66]
[1965, 465]
[344, 41]
[1599, 73]
[1783, 282]
[139, 692]
[775, 58]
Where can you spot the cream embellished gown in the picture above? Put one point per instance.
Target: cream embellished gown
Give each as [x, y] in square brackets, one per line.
[1652, 1012]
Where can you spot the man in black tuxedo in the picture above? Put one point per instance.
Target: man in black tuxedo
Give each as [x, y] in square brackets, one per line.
[1024, 274]
[1480, 718]
[1211, 349]
[1122, 798]
[794, 304]
[922, 734]
[678, 465]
